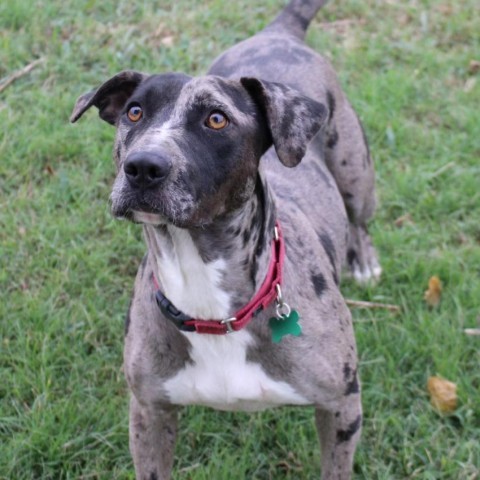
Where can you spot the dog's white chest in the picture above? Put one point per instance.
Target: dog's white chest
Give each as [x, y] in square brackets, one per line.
[220, 377]
[191, 284]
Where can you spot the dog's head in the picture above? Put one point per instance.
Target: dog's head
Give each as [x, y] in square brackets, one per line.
[187, 149]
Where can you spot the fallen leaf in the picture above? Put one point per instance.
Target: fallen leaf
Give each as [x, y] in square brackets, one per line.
[474, 66]
[404, 19]
[461, 239]
[290, 464]
[403, 220]
[434, 293]
[443, 394]
[168, 41]
[445, 9]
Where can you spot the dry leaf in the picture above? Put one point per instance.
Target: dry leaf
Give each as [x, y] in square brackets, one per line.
[461, 239]
[291, 463]
[443, 394]
[434, 293]
[445, 9]
[168, 41]
[403, 220]
[474, 66]
[404, 19]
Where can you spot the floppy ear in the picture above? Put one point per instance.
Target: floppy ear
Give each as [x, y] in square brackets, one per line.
[109, 98]
[292, 118]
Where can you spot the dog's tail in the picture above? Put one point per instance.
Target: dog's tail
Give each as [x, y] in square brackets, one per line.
[296, 17]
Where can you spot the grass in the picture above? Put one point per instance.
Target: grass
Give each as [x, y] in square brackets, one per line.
[67, 267]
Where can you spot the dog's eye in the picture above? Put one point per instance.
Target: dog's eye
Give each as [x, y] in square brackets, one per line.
[135, 113]
[217, 121]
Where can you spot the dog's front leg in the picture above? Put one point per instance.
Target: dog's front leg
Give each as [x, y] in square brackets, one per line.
[339, 432]
[152, 440]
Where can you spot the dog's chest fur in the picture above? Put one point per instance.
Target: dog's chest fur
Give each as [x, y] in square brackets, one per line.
[221, 377]
[190, 283]
[219, 374]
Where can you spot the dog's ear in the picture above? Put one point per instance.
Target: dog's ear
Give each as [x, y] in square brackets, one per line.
[293, 119]
[109, 98]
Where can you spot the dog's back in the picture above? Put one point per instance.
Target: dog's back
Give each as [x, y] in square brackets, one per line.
[278, 54]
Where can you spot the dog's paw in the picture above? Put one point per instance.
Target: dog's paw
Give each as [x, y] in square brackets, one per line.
[362, 259]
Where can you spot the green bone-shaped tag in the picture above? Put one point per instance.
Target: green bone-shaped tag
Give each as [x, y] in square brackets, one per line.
[288, 325]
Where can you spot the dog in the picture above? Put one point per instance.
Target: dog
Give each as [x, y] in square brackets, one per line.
[236, 304]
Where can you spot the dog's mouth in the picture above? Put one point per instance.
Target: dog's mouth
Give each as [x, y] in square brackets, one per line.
[148, 218]
[148, 209]
[138, 209]
[142, 214]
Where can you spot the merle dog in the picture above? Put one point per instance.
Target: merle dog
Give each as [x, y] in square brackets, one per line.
[236, 304]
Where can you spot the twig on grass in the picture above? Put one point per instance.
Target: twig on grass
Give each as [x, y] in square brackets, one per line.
[362, 304]
[341, 26]
[472, 331]
[19, 73]
[189, 468]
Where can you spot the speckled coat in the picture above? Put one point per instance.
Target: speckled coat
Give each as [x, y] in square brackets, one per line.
[206, 166]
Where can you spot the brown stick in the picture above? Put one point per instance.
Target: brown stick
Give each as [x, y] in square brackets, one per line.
[361, 304]
[19, 73]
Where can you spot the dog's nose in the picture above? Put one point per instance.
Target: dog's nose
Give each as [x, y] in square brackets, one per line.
[146, 169]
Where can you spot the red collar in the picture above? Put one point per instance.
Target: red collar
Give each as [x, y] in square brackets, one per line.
[263, 298]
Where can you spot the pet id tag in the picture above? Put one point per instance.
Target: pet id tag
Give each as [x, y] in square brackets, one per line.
[285, 325]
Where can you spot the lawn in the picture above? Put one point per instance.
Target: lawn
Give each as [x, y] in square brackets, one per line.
[410, 69]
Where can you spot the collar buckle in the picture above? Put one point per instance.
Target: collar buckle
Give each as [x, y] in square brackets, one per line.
[176, 316]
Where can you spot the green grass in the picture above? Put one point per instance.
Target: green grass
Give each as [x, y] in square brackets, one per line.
[67, 268]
